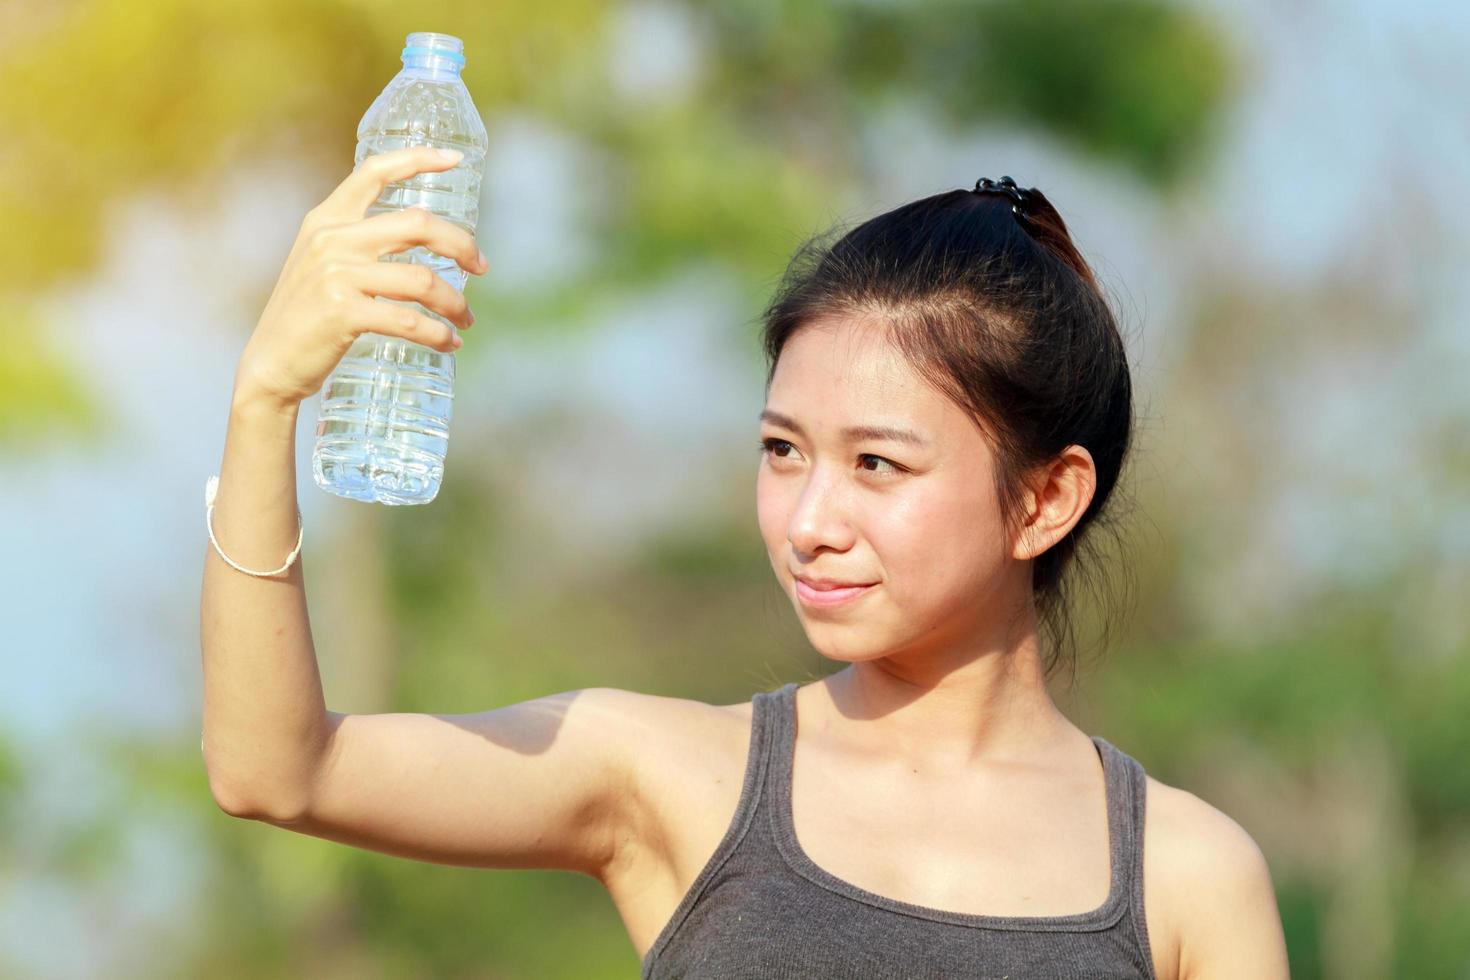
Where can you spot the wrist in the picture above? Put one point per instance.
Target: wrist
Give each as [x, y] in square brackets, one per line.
[252, 404]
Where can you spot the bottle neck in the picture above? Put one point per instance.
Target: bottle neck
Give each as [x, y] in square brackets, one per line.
[431, 67]
[436, 56]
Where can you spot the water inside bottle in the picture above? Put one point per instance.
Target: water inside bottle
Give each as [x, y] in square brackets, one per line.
[383, 431]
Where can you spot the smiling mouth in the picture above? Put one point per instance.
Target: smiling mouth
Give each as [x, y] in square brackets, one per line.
[826, 584]
[813, 596]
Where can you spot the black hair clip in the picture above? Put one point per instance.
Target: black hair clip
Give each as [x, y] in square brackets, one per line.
[1021, 197]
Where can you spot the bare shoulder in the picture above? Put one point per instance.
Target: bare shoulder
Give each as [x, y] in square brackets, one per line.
[1218, 914]
[674, 742]
[666, 719]
[684, 738]
[1199, 839]
[668, 722]
[685, 773]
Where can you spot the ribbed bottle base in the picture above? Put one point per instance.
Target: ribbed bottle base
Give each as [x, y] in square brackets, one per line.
[374, 473]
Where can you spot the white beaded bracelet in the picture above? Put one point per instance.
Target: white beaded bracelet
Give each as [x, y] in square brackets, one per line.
[211, 487]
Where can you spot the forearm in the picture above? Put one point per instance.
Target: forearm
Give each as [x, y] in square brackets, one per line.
[265, 719]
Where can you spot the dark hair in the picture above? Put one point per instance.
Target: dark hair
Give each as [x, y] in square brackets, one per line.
[1003, 316]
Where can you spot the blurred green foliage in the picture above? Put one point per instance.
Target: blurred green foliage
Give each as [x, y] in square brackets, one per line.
[1134, 80]
[41, 398]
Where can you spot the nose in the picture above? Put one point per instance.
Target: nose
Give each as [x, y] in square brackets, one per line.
[821, 518]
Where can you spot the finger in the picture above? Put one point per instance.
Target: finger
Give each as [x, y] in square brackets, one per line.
[399, 320]
[398, 231]
[417, 283]
[362, 188]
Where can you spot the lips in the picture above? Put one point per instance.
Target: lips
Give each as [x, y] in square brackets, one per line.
[829, 592]
[828, 584]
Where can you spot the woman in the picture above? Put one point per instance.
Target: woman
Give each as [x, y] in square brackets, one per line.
[948, 411]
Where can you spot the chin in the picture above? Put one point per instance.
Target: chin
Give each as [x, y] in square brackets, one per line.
[845, 644]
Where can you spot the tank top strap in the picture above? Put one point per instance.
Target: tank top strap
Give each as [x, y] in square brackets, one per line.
[1127, 801]
[764, 717]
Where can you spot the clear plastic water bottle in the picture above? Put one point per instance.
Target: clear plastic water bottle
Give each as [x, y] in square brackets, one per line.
[383, 430]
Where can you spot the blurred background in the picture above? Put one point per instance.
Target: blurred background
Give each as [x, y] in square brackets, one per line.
[1273, 193]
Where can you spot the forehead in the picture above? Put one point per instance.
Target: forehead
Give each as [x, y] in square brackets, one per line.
[838, 368]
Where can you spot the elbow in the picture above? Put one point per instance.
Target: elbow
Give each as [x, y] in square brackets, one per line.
[246, 806]
[234, 806]
[245, 796]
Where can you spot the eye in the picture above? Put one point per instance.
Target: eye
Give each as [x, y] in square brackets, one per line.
[894, 466]
[768, 447]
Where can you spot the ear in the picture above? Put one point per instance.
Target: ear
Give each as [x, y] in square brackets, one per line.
[1059, 496]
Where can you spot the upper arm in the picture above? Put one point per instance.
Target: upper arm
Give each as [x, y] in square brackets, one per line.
[545, 783]
[1233, 928]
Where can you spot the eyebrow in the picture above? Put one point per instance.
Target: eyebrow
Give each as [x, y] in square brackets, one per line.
[852, 432]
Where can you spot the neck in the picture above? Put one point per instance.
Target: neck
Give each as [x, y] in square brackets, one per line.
[988, 706]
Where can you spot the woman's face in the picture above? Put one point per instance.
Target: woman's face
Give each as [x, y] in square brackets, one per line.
[919, 519]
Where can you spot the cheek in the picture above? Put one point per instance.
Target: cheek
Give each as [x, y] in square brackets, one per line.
[770, 510]
[937, 544]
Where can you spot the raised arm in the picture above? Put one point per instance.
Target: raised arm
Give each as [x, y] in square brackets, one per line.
[544, 783]
[266, 725]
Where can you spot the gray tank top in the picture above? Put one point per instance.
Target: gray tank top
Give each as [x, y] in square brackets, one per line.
[761, 909]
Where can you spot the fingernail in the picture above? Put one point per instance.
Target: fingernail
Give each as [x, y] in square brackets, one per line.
[484, 262]
[470, 315]
[453, 156]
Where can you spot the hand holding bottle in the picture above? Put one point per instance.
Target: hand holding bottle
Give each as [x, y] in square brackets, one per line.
[324, 298]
